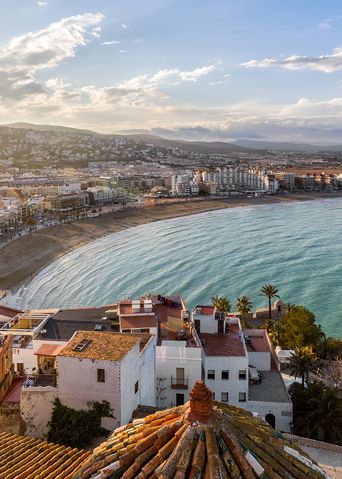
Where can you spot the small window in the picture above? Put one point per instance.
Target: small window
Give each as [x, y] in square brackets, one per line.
[242, 374]
[225, 374]
[224, 397]
[100, 375]
[136, 387]
[126, 330]
[213, 396]
[242, 397]
[211, 373]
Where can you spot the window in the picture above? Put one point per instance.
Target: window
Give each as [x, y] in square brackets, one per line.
[211, 373]
[100, 375]
[225, 374]
[136, 387]
[224, 397]
[242, 374]
[213, 396]
[242, 397]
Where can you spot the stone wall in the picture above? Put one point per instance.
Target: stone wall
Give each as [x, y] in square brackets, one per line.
[10, 420]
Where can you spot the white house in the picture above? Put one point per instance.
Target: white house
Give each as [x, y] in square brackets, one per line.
[178, 351]
[241, 367]
[103, 366]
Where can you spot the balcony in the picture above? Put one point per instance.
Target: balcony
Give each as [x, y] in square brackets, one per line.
[40, 380]
[179, 383]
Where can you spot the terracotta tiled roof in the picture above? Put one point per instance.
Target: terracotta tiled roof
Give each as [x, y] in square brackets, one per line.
[27, 458]
[102, 345]
[198, 440]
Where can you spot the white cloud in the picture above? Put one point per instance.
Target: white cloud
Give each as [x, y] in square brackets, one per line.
[224, 81]
[111, 42]
[325, 63]
[42, 4]
[124, 26]
[123, 51]
[27, 54]
[325, 25]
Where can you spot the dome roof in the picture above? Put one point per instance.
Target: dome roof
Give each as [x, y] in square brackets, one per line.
[199, 439]
[278, 302]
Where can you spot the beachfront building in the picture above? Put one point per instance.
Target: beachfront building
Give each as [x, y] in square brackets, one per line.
[104, 366]
[241, 367]
[235, 178]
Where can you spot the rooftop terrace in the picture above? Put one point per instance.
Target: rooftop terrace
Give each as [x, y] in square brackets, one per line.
[272, 386]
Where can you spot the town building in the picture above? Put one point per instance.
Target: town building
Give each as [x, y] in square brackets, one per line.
[6, 364]
[178, 352]
[241, 367]
[105, 366]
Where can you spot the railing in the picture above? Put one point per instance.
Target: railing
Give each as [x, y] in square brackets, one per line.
[40, 380]
[179, 383]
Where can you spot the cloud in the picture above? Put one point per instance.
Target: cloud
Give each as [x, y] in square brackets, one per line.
[111, 42]
[325, 63]
[42, 4]
[27, 54]
[224, 81]
[124, 26]
[325, 25]
[123, 51]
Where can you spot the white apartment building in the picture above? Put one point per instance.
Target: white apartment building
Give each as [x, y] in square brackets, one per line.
[228, 178]
[241, 367]
[178, 351]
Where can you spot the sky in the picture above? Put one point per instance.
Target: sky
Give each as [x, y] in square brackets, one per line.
[190, 69]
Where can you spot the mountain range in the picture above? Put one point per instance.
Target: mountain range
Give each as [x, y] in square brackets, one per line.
[214, 147]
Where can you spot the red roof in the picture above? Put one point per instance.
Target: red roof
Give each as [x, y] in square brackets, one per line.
[51, 350]
[13, 394]
[138, 321]
[228, 344]
[207, 310]
[9, 312]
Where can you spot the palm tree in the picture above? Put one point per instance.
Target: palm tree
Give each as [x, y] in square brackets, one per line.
[288, 307]
[303, 362]
[243, 305]
[221, 304]
[324, 418]
[270, 292]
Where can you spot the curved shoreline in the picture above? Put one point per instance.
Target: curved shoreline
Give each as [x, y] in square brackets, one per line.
[25, 257]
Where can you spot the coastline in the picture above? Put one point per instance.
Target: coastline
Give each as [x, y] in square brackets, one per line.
[23, 258]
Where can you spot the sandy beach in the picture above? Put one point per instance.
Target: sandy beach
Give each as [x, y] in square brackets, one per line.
[23, 258]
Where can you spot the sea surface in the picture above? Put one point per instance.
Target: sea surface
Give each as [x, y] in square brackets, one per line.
[231, 252]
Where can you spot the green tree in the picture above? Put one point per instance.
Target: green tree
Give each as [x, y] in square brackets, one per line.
[270, 292]
[221, 304]
[303, 362]
[300, 329]
[76, 428]
[243, 305]
[317, 411]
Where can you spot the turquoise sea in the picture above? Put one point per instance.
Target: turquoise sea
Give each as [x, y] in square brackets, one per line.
[232, 252]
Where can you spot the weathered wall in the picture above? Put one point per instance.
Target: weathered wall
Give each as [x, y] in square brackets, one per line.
[35, 407]
[10, 421]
